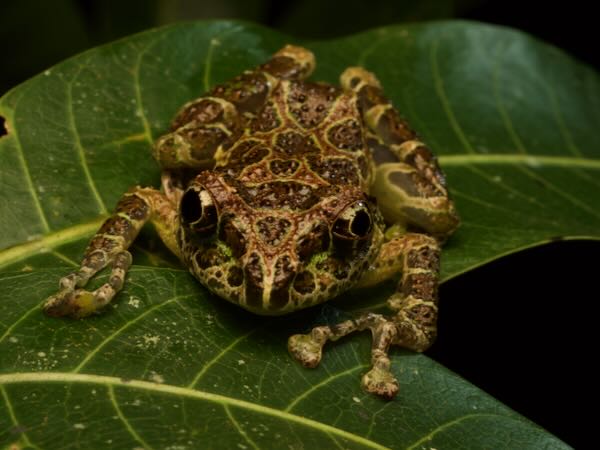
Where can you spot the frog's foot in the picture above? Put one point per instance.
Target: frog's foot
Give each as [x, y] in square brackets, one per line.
[71, 301]
[308, 348]
[380, 381]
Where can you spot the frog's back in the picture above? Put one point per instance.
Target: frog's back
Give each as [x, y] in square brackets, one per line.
[299, 166]
[309, 136]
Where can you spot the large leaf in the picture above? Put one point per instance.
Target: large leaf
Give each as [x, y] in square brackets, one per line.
[515, 123]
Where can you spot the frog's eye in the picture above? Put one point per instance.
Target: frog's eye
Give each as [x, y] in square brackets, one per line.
[354, 222]
[197, 210]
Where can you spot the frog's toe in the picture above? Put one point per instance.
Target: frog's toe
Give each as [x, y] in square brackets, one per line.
[71, 303]
[305, 349]
[381, 382]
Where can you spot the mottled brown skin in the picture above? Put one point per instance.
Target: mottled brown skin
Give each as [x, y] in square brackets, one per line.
[268, 196]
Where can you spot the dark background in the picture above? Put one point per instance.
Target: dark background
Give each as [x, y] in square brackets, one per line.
[521, 328]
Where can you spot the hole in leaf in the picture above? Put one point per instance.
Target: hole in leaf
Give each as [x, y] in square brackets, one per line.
[3, 130]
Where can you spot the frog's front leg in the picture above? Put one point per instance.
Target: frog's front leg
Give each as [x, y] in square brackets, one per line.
[413, 324]
[109, 247]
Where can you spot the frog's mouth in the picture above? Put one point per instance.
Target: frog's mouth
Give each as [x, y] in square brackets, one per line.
[279, 285]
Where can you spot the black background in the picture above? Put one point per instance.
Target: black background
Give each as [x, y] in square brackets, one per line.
[522, 328]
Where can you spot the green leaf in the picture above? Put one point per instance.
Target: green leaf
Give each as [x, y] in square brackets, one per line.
[513, 120]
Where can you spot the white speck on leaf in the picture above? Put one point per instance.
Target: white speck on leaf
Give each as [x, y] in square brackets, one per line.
[41, 354]
[356, 399]
[241, 362]
[79, 426]
[150, 340]
[156, 377]
[13, 339]
[134, 301]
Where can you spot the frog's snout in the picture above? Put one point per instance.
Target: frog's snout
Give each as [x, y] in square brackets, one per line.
[268, 284]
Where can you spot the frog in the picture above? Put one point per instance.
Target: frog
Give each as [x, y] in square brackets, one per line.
[278, 194]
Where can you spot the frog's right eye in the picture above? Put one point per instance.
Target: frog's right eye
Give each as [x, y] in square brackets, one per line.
[197, 210]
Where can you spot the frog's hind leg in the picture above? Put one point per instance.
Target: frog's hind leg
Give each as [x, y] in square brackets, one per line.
[413, 324]
[409, 185]
[109, 247]
[217, 119]
[307, 349]
[411, 192]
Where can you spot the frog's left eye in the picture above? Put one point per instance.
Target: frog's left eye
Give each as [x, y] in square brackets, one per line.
[197, 210]
[354, 222]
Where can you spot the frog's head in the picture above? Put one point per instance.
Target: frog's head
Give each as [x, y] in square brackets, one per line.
[280, 246]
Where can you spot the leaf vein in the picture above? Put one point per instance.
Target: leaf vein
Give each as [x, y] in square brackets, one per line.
[506, 187]
[532, 160]
[217, 357]
[506, 120]
[450, 424]
[558, 117]
[123, 419]
[438, 83]
[141, 113]
[18, 321]
[239, 429]
[14, 420]
[49, 241]
[27, 173]
[123, 328]
[214, 42]
[69, 377]
[583, 206]
[79, 146]
[319, 385]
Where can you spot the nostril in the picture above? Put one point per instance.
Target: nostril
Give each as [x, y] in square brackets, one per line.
[3, 130]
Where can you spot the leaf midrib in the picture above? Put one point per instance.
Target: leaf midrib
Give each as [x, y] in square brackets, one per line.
[49, 241]
[64, 377]
[527, 159]
[79, 231]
